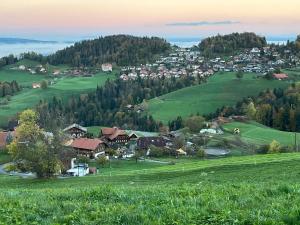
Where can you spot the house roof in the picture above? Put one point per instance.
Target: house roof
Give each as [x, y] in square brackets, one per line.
[112, 133]
[75, 126]
[145, 142]
[280, 75]
[86, 143]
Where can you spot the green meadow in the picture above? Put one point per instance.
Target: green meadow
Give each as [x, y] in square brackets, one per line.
[259, 134]
[261, 189]
[63, 87]
[222, 89]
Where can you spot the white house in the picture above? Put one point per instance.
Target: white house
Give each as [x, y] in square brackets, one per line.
[78, 170]
[106, 67]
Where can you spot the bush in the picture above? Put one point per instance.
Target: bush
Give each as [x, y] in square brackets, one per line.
[156, 152]
[274, 147]
[201, 153]
[264, 149]
[102, 161]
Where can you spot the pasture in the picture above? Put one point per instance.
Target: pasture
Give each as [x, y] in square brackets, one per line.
[262, 189]
[63, 87]
[220, 90]
[259, 134]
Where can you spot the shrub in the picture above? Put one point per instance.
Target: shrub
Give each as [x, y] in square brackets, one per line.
[201, 153]
[274, 147]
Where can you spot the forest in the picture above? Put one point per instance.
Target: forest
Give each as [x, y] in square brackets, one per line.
[120, 49]
[229, 44]
[107, 105]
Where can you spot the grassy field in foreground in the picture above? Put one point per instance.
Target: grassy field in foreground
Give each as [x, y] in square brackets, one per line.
[259, 134]
[240, 190]
[221, 89]
[63, 88]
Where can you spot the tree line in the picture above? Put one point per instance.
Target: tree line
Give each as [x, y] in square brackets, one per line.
[229, 44]
[9, 88]
[108, 105]
[278, 108]
[120, 49]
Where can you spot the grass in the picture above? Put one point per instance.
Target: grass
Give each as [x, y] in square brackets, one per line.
[259, 134]
[63, 88]
[221, 89]
[240, 190]
[4, 157]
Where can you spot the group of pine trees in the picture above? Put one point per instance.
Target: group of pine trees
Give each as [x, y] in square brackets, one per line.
[278, 108]
[107, 105]
[230, 44]
[9, 88]
[123, 50]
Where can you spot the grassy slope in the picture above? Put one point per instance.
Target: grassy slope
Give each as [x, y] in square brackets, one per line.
[260, 134]
[64, 87]
[240, 190]
[220, 90]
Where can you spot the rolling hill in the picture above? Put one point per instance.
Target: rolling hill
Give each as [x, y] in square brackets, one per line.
[222, 89]
[261, 189]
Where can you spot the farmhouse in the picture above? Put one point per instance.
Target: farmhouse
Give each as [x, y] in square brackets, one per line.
[146, 142]
[36, 85]
[280, 76]
[75, 131]
[114, 135]
[88, 147]
[106, 67]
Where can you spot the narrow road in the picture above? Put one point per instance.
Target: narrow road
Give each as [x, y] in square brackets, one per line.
[23, 175]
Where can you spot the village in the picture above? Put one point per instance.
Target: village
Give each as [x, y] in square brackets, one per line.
[117, 144]
[187, 62]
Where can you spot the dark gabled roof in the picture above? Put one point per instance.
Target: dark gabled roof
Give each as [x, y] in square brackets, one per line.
[146, 142]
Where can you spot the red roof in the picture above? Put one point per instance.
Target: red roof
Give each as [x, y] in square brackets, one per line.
[112, 133]
[86, 143]
[280, 75]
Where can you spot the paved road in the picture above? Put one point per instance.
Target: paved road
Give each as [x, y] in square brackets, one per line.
[23, 175]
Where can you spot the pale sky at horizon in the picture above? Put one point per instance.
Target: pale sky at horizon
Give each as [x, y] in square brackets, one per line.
[166, 18]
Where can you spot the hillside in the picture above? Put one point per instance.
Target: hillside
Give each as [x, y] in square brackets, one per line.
[240, 190]
[229, 44]
[258, 134]
[221, 89]
[63, 87]
[119, 49]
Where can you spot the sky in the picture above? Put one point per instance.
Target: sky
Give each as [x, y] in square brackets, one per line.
[63, 19]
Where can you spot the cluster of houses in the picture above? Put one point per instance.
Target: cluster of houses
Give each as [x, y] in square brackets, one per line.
[185, 62]
[39, 69]
[182, 62]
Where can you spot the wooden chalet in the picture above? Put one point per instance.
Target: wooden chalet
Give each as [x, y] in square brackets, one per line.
[88, 147]
[76, 131]
[114, 135]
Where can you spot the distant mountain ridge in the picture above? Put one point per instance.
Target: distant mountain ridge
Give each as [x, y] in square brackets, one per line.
[23, 41]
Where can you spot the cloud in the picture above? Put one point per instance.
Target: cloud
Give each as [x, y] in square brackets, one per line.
[202, 23]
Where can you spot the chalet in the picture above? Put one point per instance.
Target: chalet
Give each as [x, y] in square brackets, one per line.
[106, 67]
[146, 142]
[115, 135]
[88, 147]
[280, 76]
[36, 85]
[75, 131]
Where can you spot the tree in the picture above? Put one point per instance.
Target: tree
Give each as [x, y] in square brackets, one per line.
[239, 74]
[44, 84]
[34, 150]
[201, 153]
[102, 160]
[251, 110]
[194, 123]
[274, 147]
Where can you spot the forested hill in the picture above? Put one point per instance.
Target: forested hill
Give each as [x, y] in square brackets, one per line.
[119, 49]
[228, 44]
